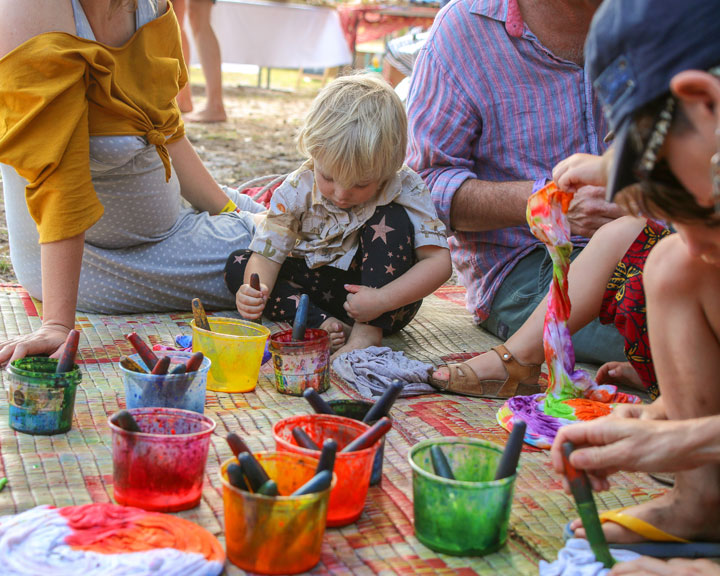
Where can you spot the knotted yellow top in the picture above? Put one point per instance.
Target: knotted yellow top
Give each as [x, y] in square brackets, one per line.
[56, 90]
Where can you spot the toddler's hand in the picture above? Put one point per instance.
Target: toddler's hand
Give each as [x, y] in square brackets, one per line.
[250, 302]
[363, 303]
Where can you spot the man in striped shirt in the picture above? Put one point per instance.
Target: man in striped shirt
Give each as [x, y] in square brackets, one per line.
[498, 97]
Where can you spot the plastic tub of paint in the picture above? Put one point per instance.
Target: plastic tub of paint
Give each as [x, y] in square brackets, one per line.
[41, 401]
[235, 348]
[280, 535]
[467, 516]
[301, 364]
[353, 469]
[356, 410]
[184, 391]
[161, 467]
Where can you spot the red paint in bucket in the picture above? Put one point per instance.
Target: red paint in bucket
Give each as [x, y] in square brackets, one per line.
[301, 364]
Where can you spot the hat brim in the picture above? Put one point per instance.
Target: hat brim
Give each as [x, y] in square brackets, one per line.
[622, 173]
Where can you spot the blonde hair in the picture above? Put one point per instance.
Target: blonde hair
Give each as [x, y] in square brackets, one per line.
[356, 129]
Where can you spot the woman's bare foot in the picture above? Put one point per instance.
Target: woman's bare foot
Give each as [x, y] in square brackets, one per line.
[619, 373]
[338, 332]
[207, 116]
[487, 366]
[361, 336]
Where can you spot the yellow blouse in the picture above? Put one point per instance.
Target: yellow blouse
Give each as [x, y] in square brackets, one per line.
[56, 90]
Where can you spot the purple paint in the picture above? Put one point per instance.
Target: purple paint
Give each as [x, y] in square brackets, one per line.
[527, 408]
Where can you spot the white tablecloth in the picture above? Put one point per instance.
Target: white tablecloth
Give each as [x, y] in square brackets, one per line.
[277, 35]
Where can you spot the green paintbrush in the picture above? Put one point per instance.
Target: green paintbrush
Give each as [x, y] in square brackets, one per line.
[585, 503]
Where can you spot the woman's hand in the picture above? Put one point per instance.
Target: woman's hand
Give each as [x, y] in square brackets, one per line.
[363, 303]
[48, 339]
[581, 170]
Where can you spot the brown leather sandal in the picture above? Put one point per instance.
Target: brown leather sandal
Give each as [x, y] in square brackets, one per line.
[464, 381]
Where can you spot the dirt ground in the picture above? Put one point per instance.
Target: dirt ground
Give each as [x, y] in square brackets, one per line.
[257, 139]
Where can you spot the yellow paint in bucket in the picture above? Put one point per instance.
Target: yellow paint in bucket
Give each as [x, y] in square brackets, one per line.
[235, 348]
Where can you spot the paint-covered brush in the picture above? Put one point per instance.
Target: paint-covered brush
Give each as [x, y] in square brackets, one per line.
[300, 322]
[199, 315]
[440, 463]
[317, 483]
[161, 367]
[511, 454]
[253, 470]
[585, 504]
[370, 436]
[386, 401]
[130, 364]
[237, 445]
[327, 456]
[236, 477]
[317, 403]
[255, 285]
[125, 420]
[303, 440]
[269, 488]
[179, 369]
[67, 360]
[147, 355]
[194, 362]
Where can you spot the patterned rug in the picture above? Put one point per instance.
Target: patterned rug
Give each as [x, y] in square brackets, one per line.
[76, 468]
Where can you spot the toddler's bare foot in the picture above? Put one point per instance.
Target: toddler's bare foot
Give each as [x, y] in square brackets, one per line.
[361, 336]
[338, 332]
[619, 373]
[207, 116]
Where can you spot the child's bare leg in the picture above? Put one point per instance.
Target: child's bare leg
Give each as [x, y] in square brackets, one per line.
[338, 332]
[361, 336]
[587, 280]
[684, 329]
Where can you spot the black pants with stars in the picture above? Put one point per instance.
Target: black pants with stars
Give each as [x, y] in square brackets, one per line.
[386, 251]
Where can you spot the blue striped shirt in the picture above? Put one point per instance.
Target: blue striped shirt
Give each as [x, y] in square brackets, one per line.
[489, 102]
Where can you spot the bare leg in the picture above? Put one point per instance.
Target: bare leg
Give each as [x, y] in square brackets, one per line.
[587, 278]
[209, 52]
[684, 330]
[338, 332]
[361, 336]
[184, 97]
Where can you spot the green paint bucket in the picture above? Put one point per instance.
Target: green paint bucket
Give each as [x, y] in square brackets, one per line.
[41, 401]
[467, 516]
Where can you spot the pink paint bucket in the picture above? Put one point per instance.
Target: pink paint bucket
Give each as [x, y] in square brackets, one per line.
[301, 364]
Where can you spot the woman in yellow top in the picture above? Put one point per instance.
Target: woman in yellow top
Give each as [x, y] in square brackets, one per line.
[94, 161]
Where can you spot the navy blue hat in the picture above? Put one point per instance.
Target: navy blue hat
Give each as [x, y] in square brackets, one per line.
[633, 50]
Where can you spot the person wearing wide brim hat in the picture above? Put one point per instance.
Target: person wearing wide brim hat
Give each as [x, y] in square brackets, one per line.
[657, 70]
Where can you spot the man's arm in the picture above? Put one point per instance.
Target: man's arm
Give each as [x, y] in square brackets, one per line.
[480, 205]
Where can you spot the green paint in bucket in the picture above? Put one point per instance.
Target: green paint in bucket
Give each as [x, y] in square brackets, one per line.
[41, 401]
[467, 516]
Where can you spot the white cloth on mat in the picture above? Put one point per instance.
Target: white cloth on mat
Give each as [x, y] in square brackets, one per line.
[577, 559]
[372, 370]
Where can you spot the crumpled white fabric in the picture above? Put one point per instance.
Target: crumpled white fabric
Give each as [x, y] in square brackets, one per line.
[577, 559]
[372, 370]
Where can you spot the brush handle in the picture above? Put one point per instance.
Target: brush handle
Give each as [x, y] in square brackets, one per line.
[201, 320]
[67, 360]
[369, 437]
[253, 470]
[237, 445]
[236, 477]
[317, 483]
[161, 368]
[125, 420]
[269, 488]
[382, 406]
[300, 322]
[194, 362]
[255, 285]
[179, 369]
[130, 364]
[147, 355]
[317, 403]
[511, 454]
[440, 463]
[327, 456]
[303, 440]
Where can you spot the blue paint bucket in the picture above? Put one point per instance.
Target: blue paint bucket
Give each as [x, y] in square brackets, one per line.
[41, 401]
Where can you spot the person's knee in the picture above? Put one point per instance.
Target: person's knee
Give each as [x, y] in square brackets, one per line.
[234, 272]
[198, 13]
[618, 235]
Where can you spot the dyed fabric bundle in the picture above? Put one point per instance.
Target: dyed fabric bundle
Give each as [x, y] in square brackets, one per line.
[104, 539]
[577, 559]
[572, 394]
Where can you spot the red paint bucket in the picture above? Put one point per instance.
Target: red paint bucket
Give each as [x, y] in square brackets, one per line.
[301, 364]
[353, 469]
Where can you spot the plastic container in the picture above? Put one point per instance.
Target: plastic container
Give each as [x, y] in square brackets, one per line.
[281, 535]
[468, 516]
[41, 402]
[184, 391]
[235, 348]
[161, 468]
[301, 365]
[356, 410]
[353, 469]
